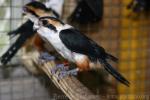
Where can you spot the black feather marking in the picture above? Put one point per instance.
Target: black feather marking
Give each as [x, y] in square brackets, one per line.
[13, 33]
[79, 43]
[114, 73]
[33, 13]
[52, 18]
[48, 25]
[44, 22]
[25, 31]
[27, 25]
[26, 9]
[113, 58]
[38, 5]
[52, 27]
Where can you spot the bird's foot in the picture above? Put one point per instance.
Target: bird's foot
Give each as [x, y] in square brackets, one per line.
[59, 67]
[65, 73]
[45, 57]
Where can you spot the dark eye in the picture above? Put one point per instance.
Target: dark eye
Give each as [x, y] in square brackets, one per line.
[44, 22]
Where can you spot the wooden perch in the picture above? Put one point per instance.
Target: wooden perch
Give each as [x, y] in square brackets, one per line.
[71, 87]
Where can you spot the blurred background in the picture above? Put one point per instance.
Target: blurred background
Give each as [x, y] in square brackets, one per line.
[122, 31]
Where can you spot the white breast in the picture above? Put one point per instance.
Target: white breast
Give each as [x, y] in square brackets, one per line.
[53, 38]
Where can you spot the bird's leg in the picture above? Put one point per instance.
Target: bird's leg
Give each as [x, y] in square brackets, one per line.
[66, 63]
[65, 73]
[45, 57]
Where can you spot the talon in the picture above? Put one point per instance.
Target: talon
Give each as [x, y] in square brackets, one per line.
[62, 75]
[41, 62]
[72, 72]
[61, 67]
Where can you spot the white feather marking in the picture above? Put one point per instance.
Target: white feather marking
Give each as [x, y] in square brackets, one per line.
[54, 39]
[32, 18]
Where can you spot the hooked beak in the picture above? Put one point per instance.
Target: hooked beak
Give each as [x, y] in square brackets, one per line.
[24, 11]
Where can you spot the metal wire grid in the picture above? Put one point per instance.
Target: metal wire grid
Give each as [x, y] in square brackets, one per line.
[16, 83]
[111, 34]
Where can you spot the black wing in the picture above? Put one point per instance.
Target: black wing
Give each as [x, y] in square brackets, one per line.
[79, 43]
[26, 31]
[24, 28]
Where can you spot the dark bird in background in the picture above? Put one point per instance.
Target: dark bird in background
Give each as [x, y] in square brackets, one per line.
[25, 32]
[87, 11]
[139, 5]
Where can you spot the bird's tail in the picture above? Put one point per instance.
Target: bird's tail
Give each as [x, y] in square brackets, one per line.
[111, 57]
[8, 55]
[114, 73]
[13, 33]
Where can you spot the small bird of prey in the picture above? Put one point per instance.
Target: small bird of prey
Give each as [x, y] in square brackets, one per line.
[71, 44]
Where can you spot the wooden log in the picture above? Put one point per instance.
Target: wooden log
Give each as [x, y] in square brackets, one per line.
[70, 85]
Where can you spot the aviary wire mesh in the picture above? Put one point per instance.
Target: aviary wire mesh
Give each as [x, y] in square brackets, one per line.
[16, 83]
[124, 37]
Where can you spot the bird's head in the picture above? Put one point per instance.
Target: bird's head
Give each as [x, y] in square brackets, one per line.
[49, 22]
[35, 9]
